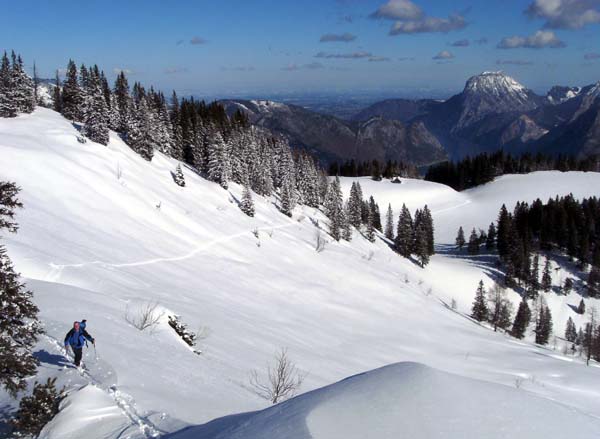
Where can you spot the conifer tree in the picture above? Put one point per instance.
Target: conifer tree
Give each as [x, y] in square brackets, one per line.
[568, 285]
[71, 94]
[178, 176]
[334, 209]
[347, 227]
[480, 311]
[498, 306]
[57, 95]
[218, 160]
[546, 284]
[460, 238]
[375, 214]
[404, 233]
[534, 282]
[490, 241]
[473, 247]
[370, 232]
[543, 327]
[96, 115]
[23, 86]
[37, 410]
[570, 331]
[19, 325]
[389, 223]
[288, 201]
[355, 205]
[429, 230]
[7, 91]
[581, 307]
[522, 320]
[503, 232]
[421, 246]
[593, 282]
[247, 204]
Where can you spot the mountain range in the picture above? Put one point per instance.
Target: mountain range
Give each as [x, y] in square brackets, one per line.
[494, 111]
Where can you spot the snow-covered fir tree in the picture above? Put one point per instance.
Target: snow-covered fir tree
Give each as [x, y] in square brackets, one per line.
[71, 94]
[404, 233]
[334, 209]
[355, 205]
[247, 204]
[96, 112]
[19, 325]
[370, 231]
[17, 89]
[178, 176]
[218, 160]
[389, 223]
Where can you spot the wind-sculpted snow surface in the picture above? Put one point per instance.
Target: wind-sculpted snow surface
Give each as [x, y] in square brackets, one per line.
[406, 400]
[104, 233]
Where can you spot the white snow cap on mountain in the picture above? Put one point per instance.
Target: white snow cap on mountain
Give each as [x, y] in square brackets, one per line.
[497, 83]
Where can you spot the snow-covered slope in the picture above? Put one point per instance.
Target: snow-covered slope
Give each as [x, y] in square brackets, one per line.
[477, 208]
[406, 400]
[104, 232]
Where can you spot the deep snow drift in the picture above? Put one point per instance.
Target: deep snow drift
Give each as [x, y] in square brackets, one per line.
[104, 232]
[406, 400]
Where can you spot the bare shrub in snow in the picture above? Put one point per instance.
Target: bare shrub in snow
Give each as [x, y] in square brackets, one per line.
[255, 233]
[147, 316]
[282, 381]
[119, 171]
[518, 382]
[406, 281]
[320, 241]
[369, 256]
[453, 304]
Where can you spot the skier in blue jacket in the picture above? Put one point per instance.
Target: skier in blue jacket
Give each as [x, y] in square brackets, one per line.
[76, 339]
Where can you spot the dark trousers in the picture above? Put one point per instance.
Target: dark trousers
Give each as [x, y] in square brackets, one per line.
[78, 354]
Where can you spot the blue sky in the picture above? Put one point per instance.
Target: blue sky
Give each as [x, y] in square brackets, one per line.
[266, 46]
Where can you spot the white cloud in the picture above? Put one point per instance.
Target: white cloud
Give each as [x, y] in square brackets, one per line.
[398, 10]
[444, 54]
[337, 38]
[353, 55]
[118, 70]
[565, 14]
[461, 43]
[197, 41]
[429, 24]
[541, 39]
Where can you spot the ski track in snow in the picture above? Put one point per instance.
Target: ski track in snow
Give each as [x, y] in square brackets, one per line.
[57, 269]
[124, 401]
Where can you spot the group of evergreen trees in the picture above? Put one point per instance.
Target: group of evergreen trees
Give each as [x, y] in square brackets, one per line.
[374, 169]
[562, 224]
[493, 306]
[17, 89]
[483, 168]
[413, 237]
[220, 147]
[587, 339]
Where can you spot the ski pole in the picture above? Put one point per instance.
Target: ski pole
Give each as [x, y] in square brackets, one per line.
[95, 352]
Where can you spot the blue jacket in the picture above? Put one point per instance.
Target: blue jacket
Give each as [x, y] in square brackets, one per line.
[77, 339]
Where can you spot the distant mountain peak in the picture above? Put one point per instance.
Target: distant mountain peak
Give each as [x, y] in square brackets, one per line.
[496, 83]
[493, 93]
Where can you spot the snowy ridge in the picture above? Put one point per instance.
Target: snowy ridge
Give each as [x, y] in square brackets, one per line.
[406, 400]
[93, 243]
